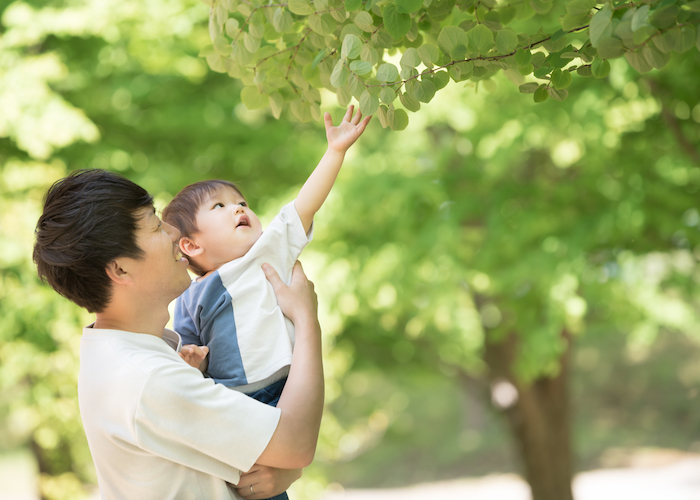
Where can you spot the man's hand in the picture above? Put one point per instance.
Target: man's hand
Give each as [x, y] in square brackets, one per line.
[343, 136]
[266, 481]
[297, 300]
[195, 356]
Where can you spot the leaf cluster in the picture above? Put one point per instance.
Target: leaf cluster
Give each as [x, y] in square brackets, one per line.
[394, 55]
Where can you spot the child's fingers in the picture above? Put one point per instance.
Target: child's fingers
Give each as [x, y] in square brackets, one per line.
[361, 126]
[357, 117]
[348, 113]
[327, 120]
[205, 350]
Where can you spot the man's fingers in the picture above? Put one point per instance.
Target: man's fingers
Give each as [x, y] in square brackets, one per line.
[272, 275]
[204, 349]
[298, 272]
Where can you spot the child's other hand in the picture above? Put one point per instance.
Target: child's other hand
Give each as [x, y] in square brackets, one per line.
[343, 136]
[194, 355]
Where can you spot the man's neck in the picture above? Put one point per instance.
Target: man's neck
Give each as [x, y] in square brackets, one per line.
[133, 319]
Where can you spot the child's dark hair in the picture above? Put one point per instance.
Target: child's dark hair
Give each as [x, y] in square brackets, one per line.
[89, 219]
[181, 212]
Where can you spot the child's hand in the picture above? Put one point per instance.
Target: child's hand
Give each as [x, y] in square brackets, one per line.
[195, 355]
[343, 136]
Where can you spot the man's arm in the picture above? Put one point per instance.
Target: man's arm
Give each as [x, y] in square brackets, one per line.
[316, 188]
[293, 443]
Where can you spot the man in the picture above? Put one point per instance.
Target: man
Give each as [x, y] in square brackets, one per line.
[155, 426]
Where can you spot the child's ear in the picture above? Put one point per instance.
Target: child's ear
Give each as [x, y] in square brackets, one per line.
[117, 272]
[189, 247]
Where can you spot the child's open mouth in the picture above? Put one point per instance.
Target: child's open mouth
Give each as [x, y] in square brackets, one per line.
[243, 221]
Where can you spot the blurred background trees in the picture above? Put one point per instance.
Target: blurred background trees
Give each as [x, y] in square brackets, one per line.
[496, 257]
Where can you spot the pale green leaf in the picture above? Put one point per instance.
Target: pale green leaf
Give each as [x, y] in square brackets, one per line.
[361, 67]
[480, 39]
[368, 104]
[252, 98]
[351, 47]
[506, 41]
[428, 53]
[364, 21]
[450, 37]
[301, 7]
[408, 6]
[396, 23]
[387, 73]
[600, 25]
[410, 58]
[340, 74]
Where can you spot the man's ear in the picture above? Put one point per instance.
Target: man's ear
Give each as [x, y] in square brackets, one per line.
[189, 247]
[116, 270]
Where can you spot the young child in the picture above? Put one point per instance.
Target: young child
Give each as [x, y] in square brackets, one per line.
[230, 309]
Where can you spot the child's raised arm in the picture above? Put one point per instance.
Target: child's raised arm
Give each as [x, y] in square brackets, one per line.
[316, 188]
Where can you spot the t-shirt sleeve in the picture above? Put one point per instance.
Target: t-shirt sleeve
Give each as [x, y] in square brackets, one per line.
[291, 230]
[202, 425]
[183, 323]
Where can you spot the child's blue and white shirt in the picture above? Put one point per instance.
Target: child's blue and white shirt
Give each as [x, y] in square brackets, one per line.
[234, 310]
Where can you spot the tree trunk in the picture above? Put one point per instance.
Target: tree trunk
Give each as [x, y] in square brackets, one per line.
[539, 419]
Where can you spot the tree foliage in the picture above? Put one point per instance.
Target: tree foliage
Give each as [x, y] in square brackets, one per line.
[285, 52]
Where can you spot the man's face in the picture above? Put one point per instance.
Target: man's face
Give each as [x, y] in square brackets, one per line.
[162, 270]
[226, 227]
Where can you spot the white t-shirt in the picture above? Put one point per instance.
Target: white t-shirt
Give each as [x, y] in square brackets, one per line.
[234, 310]
[156, 427]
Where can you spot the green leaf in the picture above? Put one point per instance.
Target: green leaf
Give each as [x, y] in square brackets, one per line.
[523, 57]
[351, 5]
[351, 48]
[600, 68]
[610, 48]
[276, 104]
[410, 58]
[428, 53]
[480, 39]
[252, 98]
[344, 96]
[319, 55]
[541, 94]
[340, 74]
[232, 27]
[282, 20]
[252, 44]
[368, 104]
[425, 91]
[665, 17]
[662, 43]
[399, 121]
[409, 102]
[580, 7]
[387, 73]
[640, 17]
[301, 110]
[450, 37]
[323, 24]
[655, 57]
[396, 23]
[693, 6]
[686, 40]
[558, 94]
[569, 22]
[387, 95]
[637, 61]
[506, 41]
[584, 71]
[369, 54]
[222, 47]
[408, 6]
[301, 7]
[600, 25]
[240, 55]
[643, 34]
[361, 67]
[529, 88]
[561, 79]
[364, 21]
[441, 79]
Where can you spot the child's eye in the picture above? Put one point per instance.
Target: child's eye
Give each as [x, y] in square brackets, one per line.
[219, 205]
[243, 204]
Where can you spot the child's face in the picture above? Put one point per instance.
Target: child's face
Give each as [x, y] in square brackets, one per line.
[227, 227]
